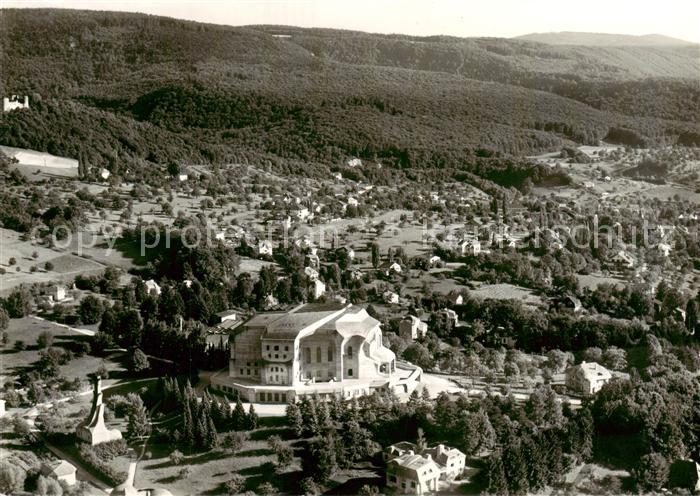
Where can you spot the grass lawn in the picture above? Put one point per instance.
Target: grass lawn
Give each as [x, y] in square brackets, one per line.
[210, 470]
[66, 265]
[28, 329]
[506, 292]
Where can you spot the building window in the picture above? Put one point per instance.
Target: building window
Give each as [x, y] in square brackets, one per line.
[349, 372]
[318, 354]
[267, 347]
[247, 371]
[349, 351]
[330, 354]
[277, 348]
[241, 371]
[392, 478]
[307, 355]
[286, 348]
[276, 356]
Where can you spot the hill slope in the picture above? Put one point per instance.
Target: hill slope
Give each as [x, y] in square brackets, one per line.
[128, 91]
[603, 39]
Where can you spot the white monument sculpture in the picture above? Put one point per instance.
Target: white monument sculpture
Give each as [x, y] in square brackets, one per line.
[93, 429]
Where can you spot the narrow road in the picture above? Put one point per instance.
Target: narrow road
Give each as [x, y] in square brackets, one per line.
[84, 332]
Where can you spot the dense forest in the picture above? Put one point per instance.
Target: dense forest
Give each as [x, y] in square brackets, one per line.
[131, 92]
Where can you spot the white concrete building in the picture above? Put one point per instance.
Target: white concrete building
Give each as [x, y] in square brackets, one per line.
[327, 349]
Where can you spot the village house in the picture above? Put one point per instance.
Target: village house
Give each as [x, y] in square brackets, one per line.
[410, 473]
[14, 102]
[470, 247]
[587, 378]
[327, 349]
[434, 260]
[412, 328]
[354, 162]
[390, 298]
[104, 174]
[664, 248]
[447, 317]
[392, 268]
[265, 247]
[353, 202]
[623, 259]
[302, 214]
[152, 288]
[60, 470]
[442, 463]
[455, 298]
[451, 460]
[57, 293]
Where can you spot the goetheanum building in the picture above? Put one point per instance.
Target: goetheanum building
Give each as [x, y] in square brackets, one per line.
[324, 349]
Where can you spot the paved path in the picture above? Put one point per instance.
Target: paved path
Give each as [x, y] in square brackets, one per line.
[84, 332]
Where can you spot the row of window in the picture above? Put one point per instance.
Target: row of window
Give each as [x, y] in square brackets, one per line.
[276, 355]
[276, 348]
[248, 372]
[319, 354]
[393, 479]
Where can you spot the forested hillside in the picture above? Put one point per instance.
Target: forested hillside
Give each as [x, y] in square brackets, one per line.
[130, 91]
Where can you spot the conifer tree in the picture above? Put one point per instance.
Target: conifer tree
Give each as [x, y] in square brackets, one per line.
[212, 437]
[252, 418]
[294, 418]
[239, 418]
[187, 426]
[495, 474]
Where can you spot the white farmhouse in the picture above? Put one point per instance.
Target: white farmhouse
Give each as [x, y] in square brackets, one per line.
[152, 288]
[587, 378]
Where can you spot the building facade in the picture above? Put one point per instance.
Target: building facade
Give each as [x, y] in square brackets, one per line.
[587, 378]
[412, 470]
[324, 349]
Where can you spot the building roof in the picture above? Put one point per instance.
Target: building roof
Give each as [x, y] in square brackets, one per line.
[412, 465]
[228, 313]
[328, 317]
[222, 327]
[592, 371]
[58, 468]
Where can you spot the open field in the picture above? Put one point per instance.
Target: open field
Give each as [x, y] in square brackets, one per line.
[506, 292]
[592, 281]
[28, 329]
[66, 265]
